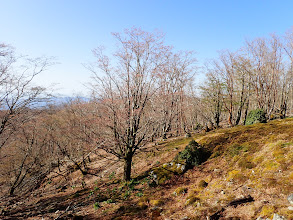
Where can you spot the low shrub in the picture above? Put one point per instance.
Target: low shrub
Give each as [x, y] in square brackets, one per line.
[96, 205]
[192, 155]
[256, 116]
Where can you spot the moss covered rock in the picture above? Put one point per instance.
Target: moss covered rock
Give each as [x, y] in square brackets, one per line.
[191, 156]
[165, 172]
[180, 191]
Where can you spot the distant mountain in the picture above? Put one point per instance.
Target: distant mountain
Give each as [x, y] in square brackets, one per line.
[65, 99]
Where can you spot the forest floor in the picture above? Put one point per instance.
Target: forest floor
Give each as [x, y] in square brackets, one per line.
[249, 175]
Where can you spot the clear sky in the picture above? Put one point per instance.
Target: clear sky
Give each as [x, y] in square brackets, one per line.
[70, 29]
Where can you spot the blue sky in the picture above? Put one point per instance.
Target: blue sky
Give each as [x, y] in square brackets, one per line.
[70, 29]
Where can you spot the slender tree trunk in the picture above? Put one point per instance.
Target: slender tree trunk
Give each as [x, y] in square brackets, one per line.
[218, 111]
[230, 119]
[217, 119]
[239, 112]
[246, 112]
[238, 115]
[127, 167]
[11, 190]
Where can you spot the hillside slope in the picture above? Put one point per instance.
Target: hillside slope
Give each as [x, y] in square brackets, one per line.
[248, 175]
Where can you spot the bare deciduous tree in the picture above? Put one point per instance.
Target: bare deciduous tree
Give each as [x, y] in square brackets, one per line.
[266, 56]
[212, 99]
[125, 91]
[174, 77]
[20, 105]
[17, 92]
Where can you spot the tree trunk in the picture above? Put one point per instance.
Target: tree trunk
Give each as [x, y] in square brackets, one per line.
[217, 119]
[239, 112]
[127, 168]
[11, 190]
[246, 112]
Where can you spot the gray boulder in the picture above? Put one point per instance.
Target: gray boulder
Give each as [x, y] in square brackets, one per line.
[261, 218]
[278, 217]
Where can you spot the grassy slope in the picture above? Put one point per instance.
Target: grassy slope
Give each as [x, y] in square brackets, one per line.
[254, 160]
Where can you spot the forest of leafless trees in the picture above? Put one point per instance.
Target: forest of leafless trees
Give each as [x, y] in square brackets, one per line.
[144, 92]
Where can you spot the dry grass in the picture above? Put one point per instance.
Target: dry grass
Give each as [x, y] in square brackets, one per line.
[254, 160]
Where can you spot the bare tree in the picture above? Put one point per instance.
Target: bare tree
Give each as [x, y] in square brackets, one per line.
[286, 81]
[174, 77]
[23, 166]
[266, 56]
[20, 105]
[125, 92]
[232, 70]
[212, 99]
[17, 92]
[72, 130]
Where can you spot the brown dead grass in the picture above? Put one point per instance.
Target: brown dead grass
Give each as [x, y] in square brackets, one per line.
[254, 160]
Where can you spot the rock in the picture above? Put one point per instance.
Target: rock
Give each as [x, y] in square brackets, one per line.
[187, 135]
[223, 192]
[179, 191]
[183, 168]
[278, 217]
[290, 198]
[290, 208]
[155, 178]
[230, 183]
[261, 218]
[217, 170]
[185, 218]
